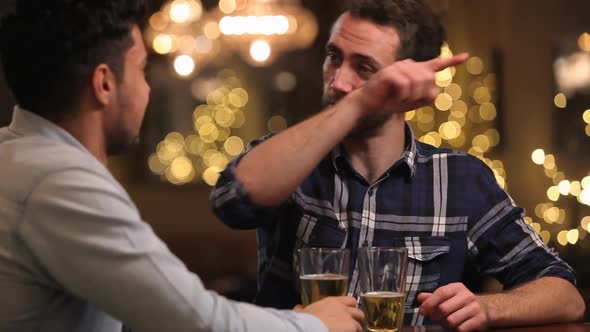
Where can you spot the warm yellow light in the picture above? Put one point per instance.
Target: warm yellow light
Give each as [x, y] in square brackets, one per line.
[254, 25]
[223, 134]
[586, 116]
[443, 101]
[482, 142]
[285, 81]
[536, 227]
[585, 196]
[572, 236]
[449, 130]
[162, 44]
[432, 138]
[546, 236]
[454, 90]
[588, 130]
[276, 123]
[238, 97]
[553, 193]
[501, 181]
[558, 177]
[538, 156]
[493, 135]
[584, 223]
[239, 120]
[227, 6]
[233, 145]
[183, 11]
[575, 188]
[208, 133]
[560, 100]
[211, 175]
[586, 182]
[184, 65]
[444, 77]
[155, 165]
[551, 215]
[482, 95]
[562, 238]
[182, 169]
[527, 220]
[487, 111]
[459, 141]
[260, 51]
[584, 42]
[159, 21]
[410, 115]
[459, 106]
[211, 30]
[218, 97]
[474, 65]
[549, 162]
[224, 116]
[564, 187]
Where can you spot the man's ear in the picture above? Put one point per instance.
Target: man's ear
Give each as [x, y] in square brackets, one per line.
[103, 84]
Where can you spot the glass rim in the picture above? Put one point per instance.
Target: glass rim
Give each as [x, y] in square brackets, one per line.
[391, 249]
[323, 249]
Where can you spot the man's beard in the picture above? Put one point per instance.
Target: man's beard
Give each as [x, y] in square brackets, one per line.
[120, 139]
[367, 126]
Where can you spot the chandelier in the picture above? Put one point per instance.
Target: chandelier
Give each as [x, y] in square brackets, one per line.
[258, 30]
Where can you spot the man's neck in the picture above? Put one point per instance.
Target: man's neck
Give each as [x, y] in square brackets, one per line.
[373, 154]
[86, 127]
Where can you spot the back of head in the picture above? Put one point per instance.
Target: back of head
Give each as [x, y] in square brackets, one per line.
[420, 30]
[50, 48]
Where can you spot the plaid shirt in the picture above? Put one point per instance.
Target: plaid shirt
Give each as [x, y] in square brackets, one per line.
[444, 206]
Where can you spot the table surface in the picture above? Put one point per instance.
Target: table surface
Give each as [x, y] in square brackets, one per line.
[572, 327]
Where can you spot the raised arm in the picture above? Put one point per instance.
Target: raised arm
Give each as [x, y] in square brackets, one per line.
[274, 169]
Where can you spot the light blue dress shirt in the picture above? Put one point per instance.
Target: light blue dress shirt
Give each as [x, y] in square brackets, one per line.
[75, 254]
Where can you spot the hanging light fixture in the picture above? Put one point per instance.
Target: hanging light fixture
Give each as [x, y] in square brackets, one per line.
[260, 30]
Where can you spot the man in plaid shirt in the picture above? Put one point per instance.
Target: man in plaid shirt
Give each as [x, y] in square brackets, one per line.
[354, 175]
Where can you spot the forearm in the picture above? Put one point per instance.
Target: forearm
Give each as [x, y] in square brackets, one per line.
[545, 300]
[274, 169]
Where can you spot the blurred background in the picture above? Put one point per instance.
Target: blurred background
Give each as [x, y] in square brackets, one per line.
[226, 72]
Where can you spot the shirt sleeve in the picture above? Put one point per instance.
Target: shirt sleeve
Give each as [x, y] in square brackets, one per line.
[231, 202]
[500, 243]
[85, 231]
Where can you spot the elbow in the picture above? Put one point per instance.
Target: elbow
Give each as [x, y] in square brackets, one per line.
[579, 308]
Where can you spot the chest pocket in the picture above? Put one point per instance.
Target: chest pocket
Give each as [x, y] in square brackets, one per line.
[319, 232]
[426, 256]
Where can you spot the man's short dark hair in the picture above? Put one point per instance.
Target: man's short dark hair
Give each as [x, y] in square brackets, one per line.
[50, 48]
[420, 30]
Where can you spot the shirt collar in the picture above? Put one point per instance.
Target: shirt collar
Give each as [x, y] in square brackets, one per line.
[408, 156]
[27, 123]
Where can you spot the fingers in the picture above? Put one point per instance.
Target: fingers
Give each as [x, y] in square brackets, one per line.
[439, 296]
[358, 327]
[462, 315]
[298, 307]
[348, 301]
[357, 314]
[439, 64]
[423, 297]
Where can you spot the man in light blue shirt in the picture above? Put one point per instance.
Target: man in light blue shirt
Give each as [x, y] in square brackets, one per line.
[75, 254]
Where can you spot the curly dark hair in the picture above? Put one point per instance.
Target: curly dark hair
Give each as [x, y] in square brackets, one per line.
[50, 48]
[420, 30]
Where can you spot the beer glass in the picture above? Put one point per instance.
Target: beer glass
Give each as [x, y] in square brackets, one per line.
[382, 274]
[323, 272]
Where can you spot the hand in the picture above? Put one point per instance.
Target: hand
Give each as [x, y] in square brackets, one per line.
[456, 307]
[339, 314]
[404, 85]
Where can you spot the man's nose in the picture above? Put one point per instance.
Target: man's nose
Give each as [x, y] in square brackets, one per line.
[345, 80]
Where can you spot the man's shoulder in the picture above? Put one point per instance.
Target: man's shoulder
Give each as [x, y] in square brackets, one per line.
[427, 151]
[26, 161]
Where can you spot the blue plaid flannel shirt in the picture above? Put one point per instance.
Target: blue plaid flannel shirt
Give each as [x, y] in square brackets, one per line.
[444, 206]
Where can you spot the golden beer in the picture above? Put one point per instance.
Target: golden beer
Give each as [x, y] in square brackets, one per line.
[384, 311]
[315, 287]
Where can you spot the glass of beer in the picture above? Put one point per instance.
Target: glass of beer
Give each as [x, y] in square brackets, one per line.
[382, 274]
[323, 272]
